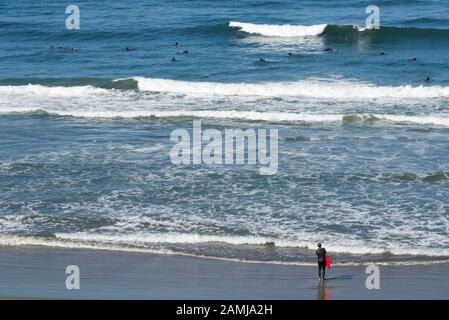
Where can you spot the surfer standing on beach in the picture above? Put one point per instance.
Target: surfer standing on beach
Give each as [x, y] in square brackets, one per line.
[321, 255]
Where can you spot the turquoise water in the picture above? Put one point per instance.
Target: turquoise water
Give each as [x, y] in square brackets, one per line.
[363, 139]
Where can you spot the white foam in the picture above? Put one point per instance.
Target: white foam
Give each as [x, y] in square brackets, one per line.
[310, 101]
[421, 120]
[311, 88]
[211, 114]
[351, 246]
[286, 30]
[182, 238]
[13, 240]
[56, 91]
[288, 117]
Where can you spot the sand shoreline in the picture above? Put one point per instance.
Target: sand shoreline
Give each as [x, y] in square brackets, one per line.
[39, 273]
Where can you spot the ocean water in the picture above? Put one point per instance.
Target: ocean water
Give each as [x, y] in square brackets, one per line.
[363, 139]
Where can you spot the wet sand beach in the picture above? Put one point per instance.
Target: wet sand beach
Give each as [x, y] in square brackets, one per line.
[39, 273]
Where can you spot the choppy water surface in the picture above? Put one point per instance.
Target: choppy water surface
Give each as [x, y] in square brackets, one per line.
[363, 140]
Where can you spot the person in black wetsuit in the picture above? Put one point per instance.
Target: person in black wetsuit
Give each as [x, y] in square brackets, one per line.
[321, 255]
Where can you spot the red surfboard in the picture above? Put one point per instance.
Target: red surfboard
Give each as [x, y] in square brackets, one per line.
[328, 262]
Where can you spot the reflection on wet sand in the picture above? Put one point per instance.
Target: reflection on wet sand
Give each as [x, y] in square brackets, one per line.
[323, 293]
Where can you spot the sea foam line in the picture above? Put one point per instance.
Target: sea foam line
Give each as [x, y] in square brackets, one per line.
[310, 88]
[54, 91]
[188, 238]
[283, 117]
[342, 90]
[14, 240]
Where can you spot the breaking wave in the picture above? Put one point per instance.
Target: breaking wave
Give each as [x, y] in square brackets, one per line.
[164, 98]
[337, 32]
[270, 30]
[309, 88]
[344, 90]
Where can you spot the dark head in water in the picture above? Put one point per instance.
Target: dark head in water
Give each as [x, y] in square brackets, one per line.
[72, 49]
[428, 79]
[382, 53]
[127, 49]
[185, 51]
[52, 46]
[412, 59]
[173, 59]
[328, 49]
[177, 44]
[290, 54]
[261, 60]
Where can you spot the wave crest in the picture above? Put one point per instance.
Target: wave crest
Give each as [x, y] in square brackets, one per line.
[286, 30]
[335, 32]
[345, 90]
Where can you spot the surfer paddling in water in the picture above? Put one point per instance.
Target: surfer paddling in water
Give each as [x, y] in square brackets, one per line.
[321, 255]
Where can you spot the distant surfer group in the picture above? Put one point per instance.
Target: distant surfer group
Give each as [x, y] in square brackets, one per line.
[291, 54]
[261, 60]
[381, 53]
[178, 46]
